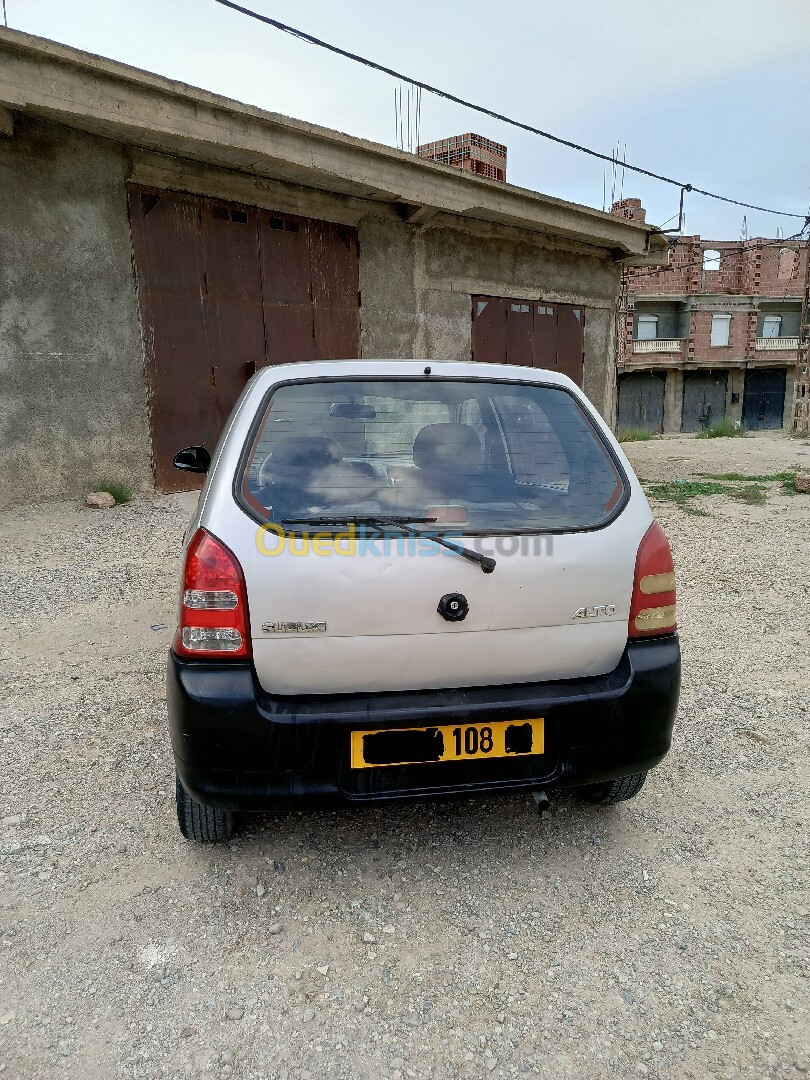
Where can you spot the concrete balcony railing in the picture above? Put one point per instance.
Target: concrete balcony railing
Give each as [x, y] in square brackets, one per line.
[656, 345]
[767, 343]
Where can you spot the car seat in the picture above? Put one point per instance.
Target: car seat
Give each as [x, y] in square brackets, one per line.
[448, 457]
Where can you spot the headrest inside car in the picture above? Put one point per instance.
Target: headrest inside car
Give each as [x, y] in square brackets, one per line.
[453, 446]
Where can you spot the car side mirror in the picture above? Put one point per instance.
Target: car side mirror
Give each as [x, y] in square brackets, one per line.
[192, 459]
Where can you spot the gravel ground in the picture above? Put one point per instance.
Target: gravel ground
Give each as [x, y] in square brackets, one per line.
[665, 938]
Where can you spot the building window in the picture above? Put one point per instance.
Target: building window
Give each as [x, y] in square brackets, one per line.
[772, 326]
[721, 326]
[711, 259]
[647, 328]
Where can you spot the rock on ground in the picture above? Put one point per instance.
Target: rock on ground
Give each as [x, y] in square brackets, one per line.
[99, 500]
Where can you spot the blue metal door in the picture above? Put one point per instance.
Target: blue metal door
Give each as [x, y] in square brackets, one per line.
[764, 402]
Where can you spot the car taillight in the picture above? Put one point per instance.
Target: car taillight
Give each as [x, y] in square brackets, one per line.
[652, 609]
[213, 620]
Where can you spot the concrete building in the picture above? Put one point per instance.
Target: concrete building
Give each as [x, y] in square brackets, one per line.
[712, 336]
[159, 242]
[470, 152]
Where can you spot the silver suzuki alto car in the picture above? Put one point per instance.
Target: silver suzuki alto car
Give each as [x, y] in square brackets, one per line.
[412, 579]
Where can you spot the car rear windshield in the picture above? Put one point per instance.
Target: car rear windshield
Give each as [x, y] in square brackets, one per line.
[480, 455]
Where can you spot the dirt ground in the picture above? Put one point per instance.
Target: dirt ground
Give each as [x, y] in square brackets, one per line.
[667, 937]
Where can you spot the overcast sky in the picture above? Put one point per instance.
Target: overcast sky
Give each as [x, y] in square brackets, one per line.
[711, 92]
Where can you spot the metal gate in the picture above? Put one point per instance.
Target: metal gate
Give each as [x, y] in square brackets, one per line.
[641, 402]
[764, 401]
[530, 333]
[704, 399]
[224, 289]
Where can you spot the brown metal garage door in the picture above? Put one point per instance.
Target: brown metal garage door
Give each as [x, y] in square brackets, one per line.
[529, 332]
[225, 289]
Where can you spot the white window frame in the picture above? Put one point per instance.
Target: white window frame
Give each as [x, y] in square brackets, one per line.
[769, 323]
[721, 331]
[650, 322]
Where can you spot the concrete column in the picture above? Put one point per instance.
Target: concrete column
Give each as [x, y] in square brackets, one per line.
[791, 389]
[673, 400]
[735, 385]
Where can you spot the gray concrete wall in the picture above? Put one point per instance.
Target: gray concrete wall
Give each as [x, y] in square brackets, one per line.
[735, 385]
[790, 398]
[74, 402]
[416, 283]
[673, 400]
[72, 397]
[389, 320]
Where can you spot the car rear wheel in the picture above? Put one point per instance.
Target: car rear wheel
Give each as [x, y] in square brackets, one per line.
[202, 823]
[613, 791]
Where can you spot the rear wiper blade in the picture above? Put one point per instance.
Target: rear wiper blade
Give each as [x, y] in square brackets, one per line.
[398, 521]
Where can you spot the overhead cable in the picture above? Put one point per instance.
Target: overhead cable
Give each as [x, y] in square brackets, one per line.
[312, 40]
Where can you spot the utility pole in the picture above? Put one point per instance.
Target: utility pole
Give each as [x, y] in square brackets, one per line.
[801, 409]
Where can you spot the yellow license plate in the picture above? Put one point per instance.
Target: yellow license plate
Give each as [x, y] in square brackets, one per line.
[450, 742]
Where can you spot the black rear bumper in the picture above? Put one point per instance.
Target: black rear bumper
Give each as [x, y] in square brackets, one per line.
[239, 748]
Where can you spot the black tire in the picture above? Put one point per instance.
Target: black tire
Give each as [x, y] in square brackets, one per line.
[202, 823]
[613, 791]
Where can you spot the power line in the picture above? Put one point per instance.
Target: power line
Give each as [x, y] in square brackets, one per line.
[310, 39]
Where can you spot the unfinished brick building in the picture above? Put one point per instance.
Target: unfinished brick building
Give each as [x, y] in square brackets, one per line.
[712, 336]
[470, 152]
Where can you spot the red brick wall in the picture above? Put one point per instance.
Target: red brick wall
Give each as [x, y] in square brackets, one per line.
[729, 278]
[470, 152]
[781, 270]
[756, 267]
[700, 349]
[625, 349]
[774, 271]
[681, 276]
[631, 209]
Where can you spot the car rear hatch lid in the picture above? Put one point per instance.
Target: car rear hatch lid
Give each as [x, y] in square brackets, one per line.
[345, 598]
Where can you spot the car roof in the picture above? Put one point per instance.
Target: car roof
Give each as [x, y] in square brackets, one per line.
[374, 368]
